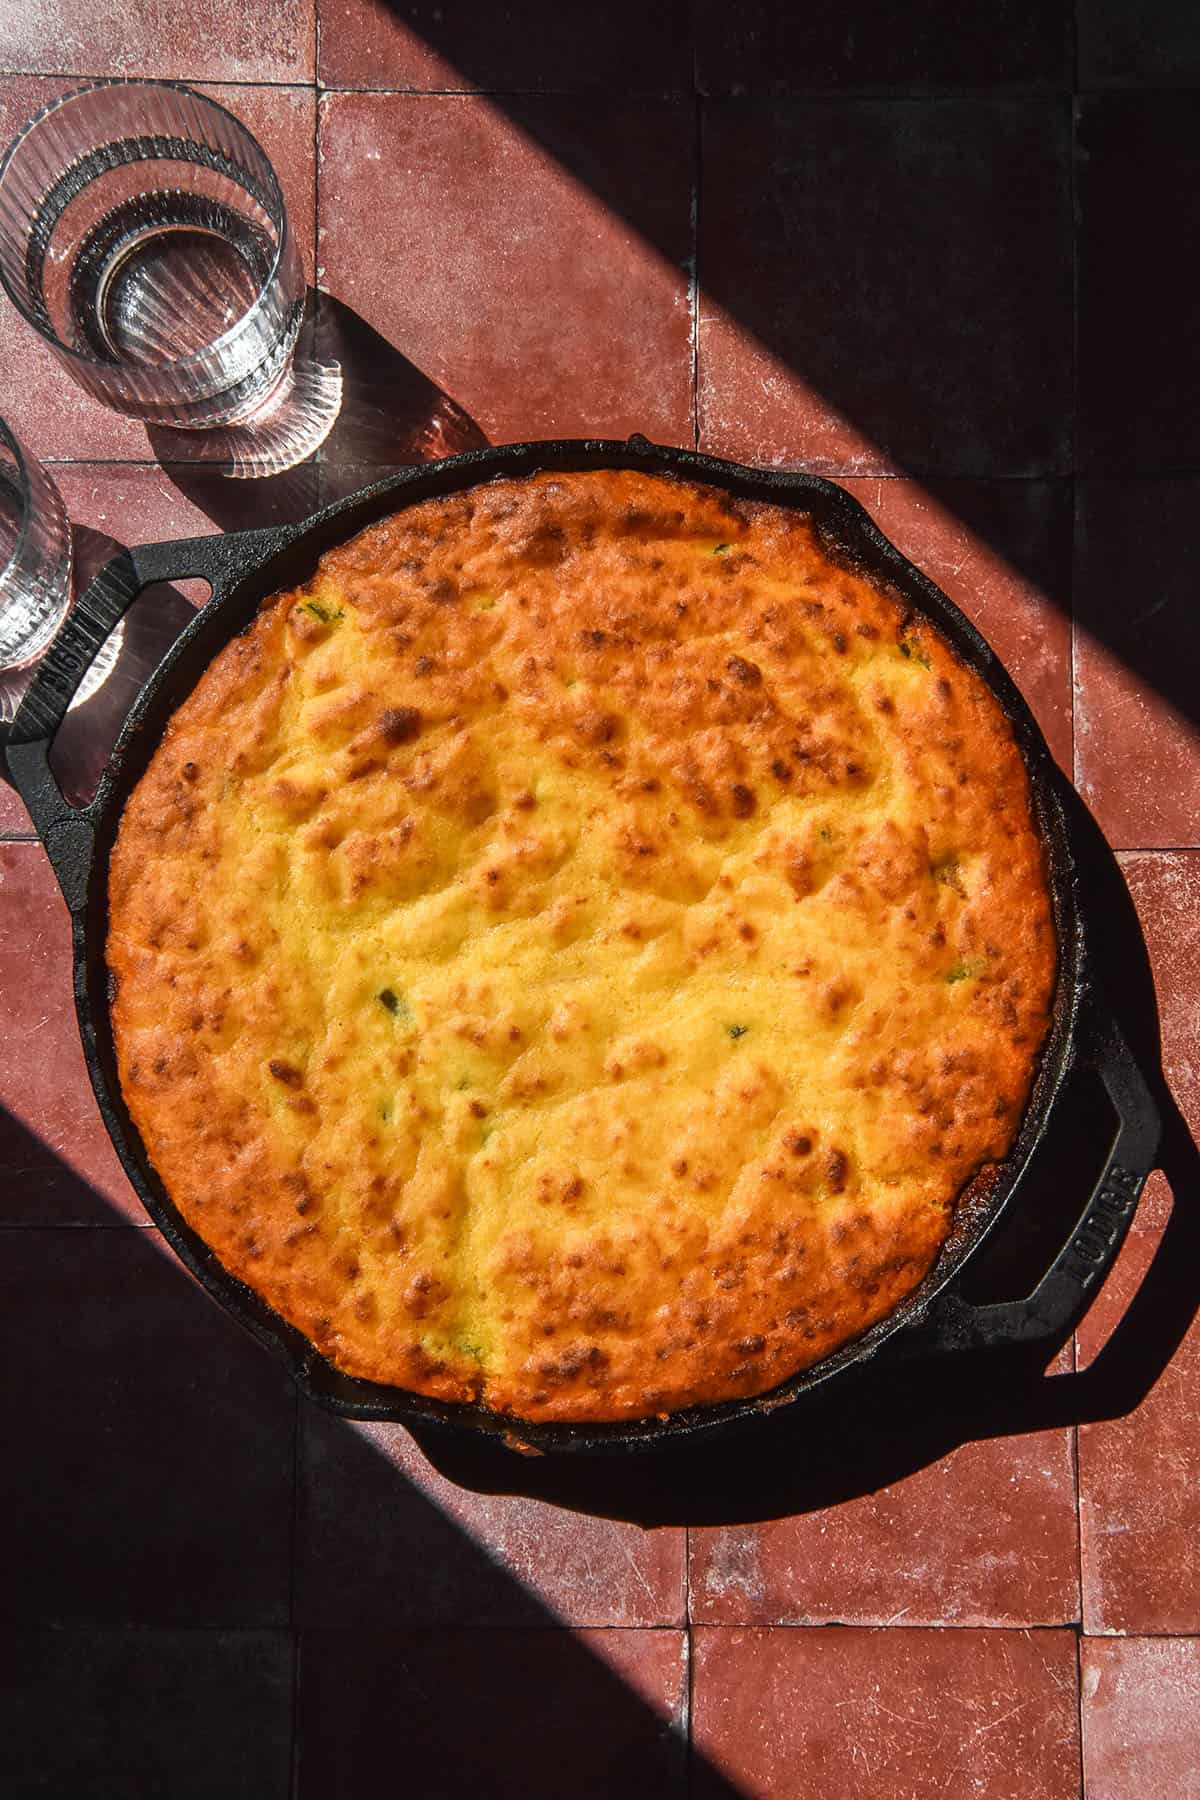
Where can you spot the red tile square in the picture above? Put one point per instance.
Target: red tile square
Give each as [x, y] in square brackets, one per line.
[1139, 1504]
[526, 45]
[1002, 551]
[1155, 44]
[1137, 652]
[1141, 1717]
[838, 1714]
[983, 1536]
[386, 1540]
[54, 416]
[57, 1165]
[273, 40]
[532, 266]
[149, 1442]
[761, 47]
[886, 285]
[460, 1715]
[1138, 230]
[112, 1714]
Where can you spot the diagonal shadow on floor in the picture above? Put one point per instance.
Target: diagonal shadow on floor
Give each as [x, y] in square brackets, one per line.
[951, 351]
[182, 1528]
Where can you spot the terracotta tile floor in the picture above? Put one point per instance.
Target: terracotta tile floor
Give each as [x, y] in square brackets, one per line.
[841, 239]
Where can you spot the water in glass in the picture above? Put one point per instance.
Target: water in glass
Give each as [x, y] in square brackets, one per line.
[144, 234]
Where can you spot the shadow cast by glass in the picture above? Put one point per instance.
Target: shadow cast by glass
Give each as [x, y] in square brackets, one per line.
[390, 415]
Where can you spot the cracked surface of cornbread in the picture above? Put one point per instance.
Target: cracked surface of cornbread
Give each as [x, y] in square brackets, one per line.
[574, 951]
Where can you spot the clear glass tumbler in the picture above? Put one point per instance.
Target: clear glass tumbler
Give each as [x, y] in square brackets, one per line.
[35, 556]
[143, 233]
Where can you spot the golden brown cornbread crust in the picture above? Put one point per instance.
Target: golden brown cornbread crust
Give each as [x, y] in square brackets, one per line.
[574, 951]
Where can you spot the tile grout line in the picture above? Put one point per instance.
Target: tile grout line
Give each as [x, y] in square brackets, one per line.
[799, 96]
[1079, 1629]
[1016, 95]
[908, 1628]
[689, 1692]
[1154, 849]
[895, 95]
[1079, 1705]
[73, 1224]
[298, 82]
[558, 1626]
[316, 195]
[898, 95]
[397, 93]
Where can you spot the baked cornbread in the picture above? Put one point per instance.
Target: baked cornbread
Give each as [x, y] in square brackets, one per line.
[574, 951]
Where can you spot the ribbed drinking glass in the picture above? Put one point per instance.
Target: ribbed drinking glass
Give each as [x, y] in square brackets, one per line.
[35, 556]
[143, 233]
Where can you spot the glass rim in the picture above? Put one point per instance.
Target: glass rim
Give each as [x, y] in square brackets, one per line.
[196, 358]
[13, 442]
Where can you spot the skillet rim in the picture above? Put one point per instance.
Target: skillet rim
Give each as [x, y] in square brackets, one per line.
[251, 566]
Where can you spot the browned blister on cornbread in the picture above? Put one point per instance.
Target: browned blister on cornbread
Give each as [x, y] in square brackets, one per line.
[574, 952]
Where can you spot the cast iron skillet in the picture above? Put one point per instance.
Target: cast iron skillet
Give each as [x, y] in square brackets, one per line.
[244, 568]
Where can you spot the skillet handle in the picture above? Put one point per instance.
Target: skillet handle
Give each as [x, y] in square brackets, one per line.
[1058, 1300]
[68, 831]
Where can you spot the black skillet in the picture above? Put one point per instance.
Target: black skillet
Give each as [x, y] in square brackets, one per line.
[245, 567]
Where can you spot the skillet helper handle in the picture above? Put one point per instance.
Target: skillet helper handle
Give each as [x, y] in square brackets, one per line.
[67, 831]
[1058, 1300]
